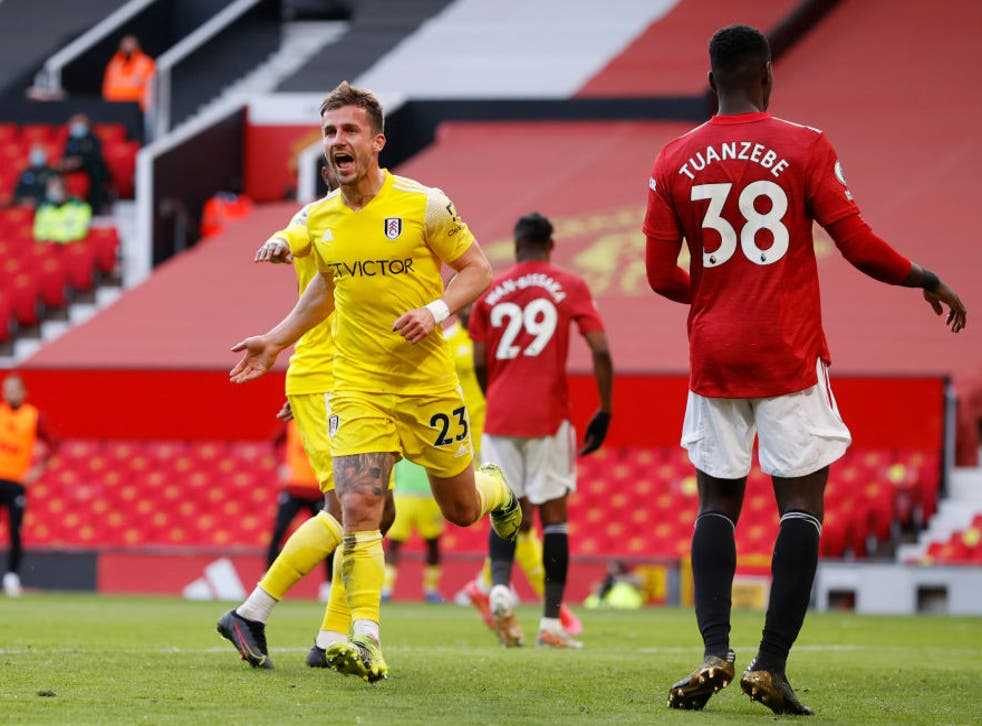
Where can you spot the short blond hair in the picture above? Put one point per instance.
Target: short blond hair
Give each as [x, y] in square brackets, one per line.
[347, 95]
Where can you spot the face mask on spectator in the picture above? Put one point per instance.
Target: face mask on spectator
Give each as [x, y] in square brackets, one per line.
[78, 129]
[38, 157]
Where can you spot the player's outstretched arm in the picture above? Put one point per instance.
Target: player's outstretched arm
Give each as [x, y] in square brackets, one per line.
[316, 303]
[875, 257]
[472, 278]
[603, 373]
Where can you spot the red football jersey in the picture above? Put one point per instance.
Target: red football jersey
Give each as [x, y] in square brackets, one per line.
[743, 190]
[524, 320]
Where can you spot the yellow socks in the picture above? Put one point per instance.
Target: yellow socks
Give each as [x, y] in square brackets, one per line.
[528, 554]
[431, 578]
[491, 488]
[389, 584]
[337, 616]
[306, 548]
[363, 571]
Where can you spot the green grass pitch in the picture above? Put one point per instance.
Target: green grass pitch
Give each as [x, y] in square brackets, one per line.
[99, 659]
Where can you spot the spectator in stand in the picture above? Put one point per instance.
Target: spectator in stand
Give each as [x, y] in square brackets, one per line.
[222, 208]
[61, 218]
[20, 427]
[83, 152]
[32, 186]
[128, 74]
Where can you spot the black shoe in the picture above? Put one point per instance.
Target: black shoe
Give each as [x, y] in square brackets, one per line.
[248, 637]
[317, 658]
[772, 689]
[692, 692]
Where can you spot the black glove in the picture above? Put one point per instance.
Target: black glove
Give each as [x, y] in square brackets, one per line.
[596, 432]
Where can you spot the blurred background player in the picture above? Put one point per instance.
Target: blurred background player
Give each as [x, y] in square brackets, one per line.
[21, 426]
[759, 358]
[415, 507]
[520, 328]
[300, 492]
[528, 546]
[416, 510]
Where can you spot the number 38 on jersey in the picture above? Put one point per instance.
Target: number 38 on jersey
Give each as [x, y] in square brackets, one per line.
[753, 222]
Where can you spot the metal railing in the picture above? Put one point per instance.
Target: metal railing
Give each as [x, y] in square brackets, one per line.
[159, 118]
[48, 79]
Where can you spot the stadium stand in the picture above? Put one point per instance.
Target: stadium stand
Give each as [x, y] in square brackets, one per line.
[589, 176]
[216, 493]
[376, 27]
[667, 57]
[16, 140]
[31, 36]
[475, 45]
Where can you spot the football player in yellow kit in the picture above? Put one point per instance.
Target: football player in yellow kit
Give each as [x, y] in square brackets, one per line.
[380, 241]
[309, 381]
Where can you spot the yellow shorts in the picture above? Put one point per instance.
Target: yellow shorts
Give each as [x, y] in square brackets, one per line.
[432, 431]
[310, 413]
[421, 514]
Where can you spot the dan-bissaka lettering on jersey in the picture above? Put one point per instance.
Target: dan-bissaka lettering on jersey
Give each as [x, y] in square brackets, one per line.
[535, 279]
[371, 268]
[739, 150]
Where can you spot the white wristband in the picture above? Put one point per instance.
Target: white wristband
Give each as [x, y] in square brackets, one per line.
[439, 310]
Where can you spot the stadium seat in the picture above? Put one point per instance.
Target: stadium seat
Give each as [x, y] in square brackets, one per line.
[630, 502]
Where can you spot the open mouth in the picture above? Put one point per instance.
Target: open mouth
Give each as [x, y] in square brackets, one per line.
[344, 162]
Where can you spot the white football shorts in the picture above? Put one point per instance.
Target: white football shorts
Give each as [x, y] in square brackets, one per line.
[799, 433]
[541, 469]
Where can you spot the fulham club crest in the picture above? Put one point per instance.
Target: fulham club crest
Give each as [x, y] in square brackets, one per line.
[393, 227]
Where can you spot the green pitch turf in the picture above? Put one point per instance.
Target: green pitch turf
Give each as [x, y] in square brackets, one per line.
[99, 659]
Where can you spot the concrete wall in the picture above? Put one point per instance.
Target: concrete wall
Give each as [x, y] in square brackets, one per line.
[895, 589]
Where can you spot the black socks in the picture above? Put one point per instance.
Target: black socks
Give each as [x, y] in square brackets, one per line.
[792, 574]
[713, 566]
[555, 562]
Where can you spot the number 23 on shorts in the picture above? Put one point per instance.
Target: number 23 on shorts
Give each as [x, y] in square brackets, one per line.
[443, 423]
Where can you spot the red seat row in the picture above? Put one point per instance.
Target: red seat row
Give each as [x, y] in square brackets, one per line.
[640, 502]
[35, 273]
[16, 142]
[963, 547]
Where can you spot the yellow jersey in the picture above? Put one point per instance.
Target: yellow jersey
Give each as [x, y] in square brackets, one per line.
[385, 260]
[462, 350]
[310, 364]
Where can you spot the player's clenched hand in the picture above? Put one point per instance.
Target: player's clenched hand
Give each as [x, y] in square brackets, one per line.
[942, 296]
[260, 355]
[596, 432]
[285, 413]
[274, 250]
[415, 325]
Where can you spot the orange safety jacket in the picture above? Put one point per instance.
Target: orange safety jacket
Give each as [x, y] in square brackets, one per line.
[128, 79]
[18, 433]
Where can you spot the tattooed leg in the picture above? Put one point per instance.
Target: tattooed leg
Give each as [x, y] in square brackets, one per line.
[361, 483]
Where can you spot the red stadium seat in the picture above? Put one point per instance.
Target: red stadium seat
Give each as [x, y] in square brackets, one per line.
[36, 134]
[121, 160]
[79, 262]
[109, 133]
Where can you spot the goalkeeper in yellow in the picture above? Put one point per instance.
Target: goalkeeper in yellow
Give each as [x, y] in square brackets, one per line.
[309, 380]
[379, 241]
